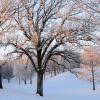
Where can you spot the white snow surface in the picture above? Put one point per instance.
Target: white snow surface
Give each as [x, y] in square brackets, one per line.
[62, 87]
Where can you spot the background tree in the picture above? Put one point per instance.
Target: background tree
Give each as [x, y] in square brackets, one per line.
[6, 11]
[2, 62]
[90, 66]
[7, 72]
[23, 69]
[0, 78]
[58, 64]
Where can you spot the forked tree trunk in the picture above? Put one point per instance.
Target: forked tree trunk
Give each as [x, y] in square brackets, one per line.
[1, 87]
[40, 84]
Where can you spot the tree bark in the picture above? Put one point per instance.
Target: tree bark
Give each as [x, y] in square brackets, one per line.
[40, 83]
[1, 87]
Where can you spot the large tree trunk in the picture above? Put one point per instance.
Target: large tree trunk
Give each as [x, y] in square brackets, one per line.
[40, 84]
[1, 87]
[40, 72]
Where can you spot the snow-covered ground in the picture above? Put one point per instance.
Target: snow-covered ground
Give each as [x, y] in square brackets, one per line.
[62, 87]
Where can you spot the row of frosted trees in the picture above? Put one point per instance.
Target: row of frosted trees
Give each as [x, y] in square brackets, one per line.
[89, 68]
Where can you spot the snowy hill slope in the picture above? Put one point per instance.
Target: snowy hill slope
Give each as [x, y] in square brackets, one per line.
[62, 87]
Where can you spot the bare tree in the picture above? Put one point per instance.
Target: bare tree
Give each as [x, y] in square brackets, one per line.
[5, 13]
[90, 66]
[44, 30]
[7, 72]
